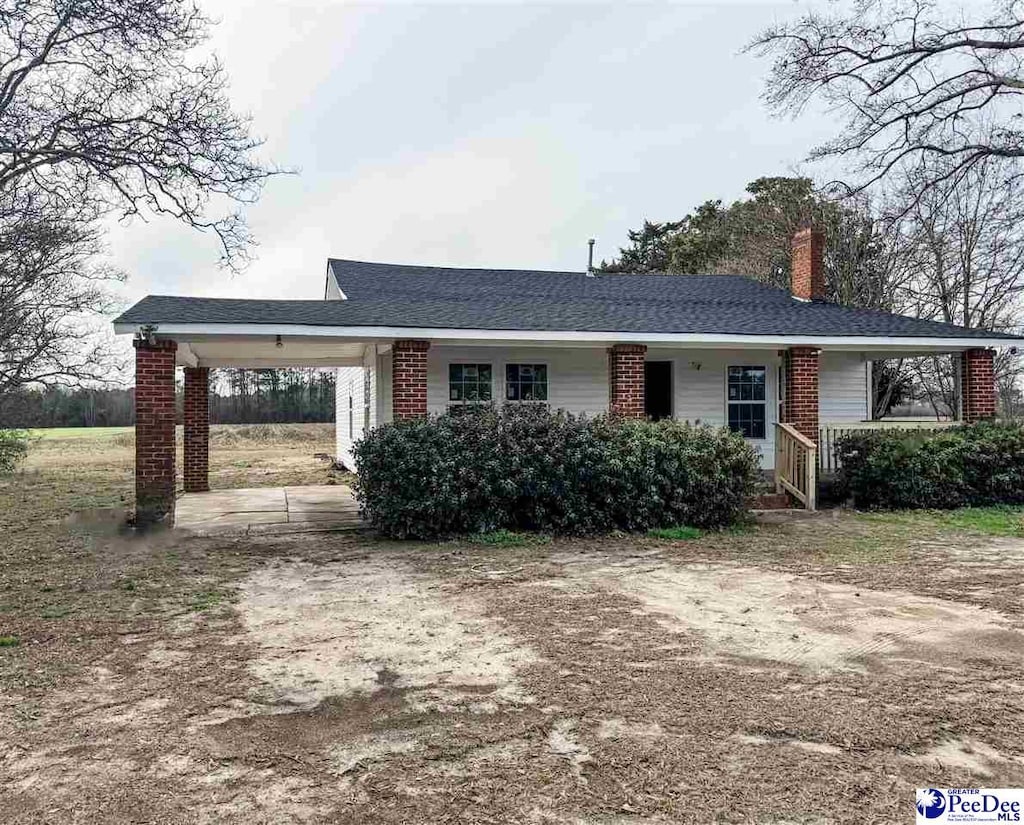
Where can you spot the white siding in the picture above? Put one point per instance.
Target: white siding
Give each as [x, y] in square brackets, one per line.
[699, 391]
[842, 387]
[577, 378]
[578, 382]
[353, 416]
[384, 388]
[349, 386]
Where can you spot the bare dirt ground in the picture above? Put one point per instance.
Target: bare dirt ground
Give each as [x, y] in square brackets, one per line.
[815, 672]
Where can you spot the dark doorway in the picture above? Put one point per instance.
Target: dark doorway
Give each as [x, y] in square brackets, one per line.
[658, 389]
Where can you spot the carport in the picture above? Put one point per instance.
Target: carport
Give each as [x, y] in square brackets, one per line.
[159, 352]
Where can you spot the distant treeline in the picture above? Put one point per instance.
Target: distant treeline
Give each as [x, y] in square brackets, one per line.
[237, 397]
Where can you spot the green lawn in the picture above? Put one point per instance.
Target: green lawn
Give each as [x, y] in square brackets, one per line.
[990, 521]
[58, 433]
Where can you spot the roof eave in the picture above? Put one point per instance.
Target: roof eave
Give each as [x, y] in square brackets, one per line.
[865, 343]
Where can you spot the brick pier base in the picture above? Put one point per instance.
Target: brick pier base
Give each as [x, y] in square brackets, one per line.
[626, 380]
[154, 431]
[977, 386]
[197, 430]
[409, 379]
[801, 402]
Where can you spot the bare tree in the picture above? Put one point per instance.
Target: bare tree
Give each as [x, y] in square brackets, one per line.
[108, 108]
[52, 289]
[961, 253]
[914, 86]
[111, 103]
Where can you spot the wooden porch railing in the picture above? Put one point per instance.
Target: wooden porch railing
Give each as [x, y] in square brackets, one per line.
[830, 432]
[796, 465]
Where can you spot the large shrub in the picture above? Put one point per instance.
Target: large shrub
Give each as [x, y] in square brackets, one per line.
[13, 448]
[527, 468]
[971, 465]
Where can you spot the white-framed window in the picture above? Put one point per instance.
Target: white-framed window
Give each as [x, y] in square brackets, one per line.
[470, 383]
[526, 382]
[745, 394]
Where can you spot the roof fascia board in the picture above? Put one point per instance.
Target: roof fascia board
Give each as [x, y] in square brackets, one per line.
[185, 331]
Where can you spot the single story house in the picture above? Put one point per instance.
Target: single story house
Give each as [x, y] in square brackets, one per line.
[778, 366]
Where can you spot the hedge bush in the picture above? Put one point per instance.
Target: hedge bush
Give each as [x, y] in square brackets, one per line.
[975, 465]
[527, 468]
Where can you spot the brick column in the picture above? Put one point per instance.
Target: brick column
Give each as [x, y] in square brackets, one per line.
[409, 379]
[154, 431]
[977, 386]
[626, 380]
[197, 429]
[801, 402]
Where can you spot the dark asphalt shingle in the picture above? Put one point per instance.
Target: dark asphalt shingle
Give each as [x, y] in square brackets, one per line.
[420, 296]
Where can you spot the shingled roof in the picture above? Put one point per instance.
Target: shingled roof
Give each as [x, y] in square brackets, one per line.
[390, 295]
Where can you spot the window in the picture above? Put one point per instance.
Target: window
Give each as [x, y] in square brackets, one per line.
[526, 382]
[469, 383]
[746, 394]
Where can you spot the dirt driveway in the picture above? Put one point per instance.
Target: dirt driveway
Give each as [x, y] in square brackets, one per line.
[809, 673]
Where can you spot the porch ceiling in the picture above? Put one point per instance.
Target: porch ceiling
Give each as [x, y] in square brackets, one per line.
[264, 352]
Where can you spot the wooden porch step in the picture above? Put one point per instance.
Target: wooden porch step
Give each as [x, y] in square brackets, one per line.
[770, 501]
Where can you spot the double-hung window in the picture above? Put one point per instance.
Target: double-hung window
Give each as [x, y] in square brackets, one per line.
[746, 400]
[469, 383]
[526, 382]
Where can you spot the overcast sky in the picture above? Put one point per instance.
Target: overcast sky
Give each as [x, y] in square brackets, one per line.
[476, 135]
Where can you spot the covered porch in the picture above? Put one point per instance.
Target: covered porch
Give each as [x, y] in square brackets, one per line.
[592, 373]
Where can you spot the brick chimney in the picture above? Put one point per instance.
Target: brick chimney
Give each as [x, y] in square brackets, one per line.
[807, 275]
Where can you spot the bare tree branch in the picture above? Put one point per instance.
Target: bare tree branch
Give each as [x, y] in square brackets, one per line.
[912, 86]
[113, 103]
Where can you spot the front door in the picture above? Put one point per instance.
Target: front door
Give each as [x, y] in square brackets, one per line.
[658, 389]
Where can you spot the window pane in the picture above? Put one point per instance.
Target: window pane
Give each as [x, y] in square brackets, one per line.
[455, 372]
[484, 372]
[526, 382]
[485, 392]
[455, 392]
[757, 422]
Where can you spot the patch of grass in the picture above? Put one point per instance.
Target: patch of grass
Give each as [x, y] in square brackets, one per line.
[680, 532]
[206, 599]
[508, 538]
[989, 521]
[9, 641]
[992, 521]
[55, 611]
[64, 433]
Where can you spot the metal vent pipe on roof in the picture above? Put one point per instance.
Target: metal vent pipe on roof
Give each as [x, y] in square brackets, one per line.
[590, 258]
